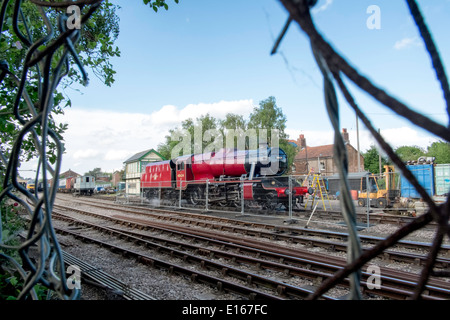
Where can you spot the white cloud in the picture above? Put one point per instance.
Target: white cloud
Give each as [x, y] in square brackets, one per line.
[406, 136]
[171, 116]
[323, 7]
[104, 139]
[112, 155]
[406, 43]
[85, 153]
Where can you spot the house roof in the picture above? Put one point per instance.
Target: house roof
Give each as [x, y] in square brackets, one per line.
[314, 152]
[68, 174]
[142, 154]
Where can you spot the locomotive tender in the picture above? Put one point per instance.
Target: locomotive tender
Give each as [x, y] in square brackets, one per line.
[221, 176]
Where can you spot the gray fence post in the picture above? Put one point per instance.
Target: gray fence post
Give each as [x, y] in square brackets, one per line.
[207, 194]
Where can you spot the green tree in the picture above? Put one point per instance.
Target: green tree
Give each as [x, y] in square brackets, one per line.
[270, 117]
[408, 153]
[193, 137]
[232, 129]
[94, 49]
[208, 134]
[372, 160]
[440, 150]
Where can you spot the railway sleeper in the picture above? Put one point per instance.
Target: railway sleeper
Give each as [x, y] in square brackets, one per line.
[224, 271]
[286, 273]
[202, 252]
[318, 281]
[281, 290]
[146, 261]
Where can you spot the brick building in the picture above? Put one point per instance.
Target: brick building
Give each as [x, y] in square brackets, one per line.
[117, 177]
[320, 159]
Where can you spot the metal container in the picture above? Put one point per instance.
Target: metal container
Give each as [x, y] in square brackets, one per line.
[62, 183]
[425, 176]
[442, 178]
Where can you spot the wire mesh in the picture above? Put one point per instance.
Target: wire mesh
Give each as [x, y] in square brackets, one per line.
[333, 67]
[48, 59]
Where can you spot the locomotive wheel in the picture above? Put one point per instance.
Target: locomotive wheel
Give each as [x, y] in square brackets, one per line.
[223, 203]
[234, 203]
[270, 202]
[194, 196]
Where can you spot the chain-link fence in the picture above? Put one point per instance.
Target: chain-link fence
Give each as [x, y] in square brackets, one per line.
[334, 67]
[47, 266]
[36, 258]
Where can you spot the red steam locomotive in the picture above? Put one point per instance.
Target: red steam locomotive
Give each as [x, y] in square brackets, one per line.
[224, 177]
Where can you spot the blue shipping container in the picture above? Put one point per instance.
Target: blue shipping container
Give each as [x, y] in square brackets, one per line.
[424, 174]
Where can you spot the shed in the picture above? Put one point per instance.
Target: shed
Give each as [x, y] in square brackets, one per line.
[135, 166]
[354, 181]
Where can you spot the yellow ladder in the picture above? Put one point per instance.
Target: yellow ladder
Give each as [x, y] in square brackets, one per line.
[319, 188]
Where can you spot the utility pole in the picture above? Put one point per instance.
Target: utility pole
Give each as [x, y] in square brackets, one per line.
[379, 158]
[357, 143]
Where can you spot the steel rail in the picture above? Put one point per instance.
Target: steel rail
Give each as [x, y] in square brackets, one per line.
[374, 217]
[294, 237]
[219, 283]
[293, 230]
[396, 287]
[445, 249]
[384, 218]
[105, 279]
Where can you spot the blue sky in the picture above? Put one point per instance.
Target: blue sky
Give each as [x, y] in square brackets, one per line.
[214, 56]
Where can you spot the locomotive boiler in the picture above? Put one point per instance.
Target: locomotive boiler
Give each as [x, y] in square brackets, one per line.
[225, 178]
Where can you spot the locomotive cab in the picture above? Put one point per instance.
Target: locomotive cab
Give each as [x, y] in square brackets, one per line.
[183, 171]
[266, 162]
[278, 156]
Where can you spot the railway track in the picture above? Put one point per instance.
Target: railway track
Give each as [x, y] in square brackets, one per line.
[104, 280]
[281, 291]
[296, 265]
[307, 237]
[378, 217]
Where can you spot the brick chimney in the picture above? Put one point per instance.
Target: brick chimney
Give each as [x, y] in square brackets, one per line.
[301, 141]
[345, 136]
